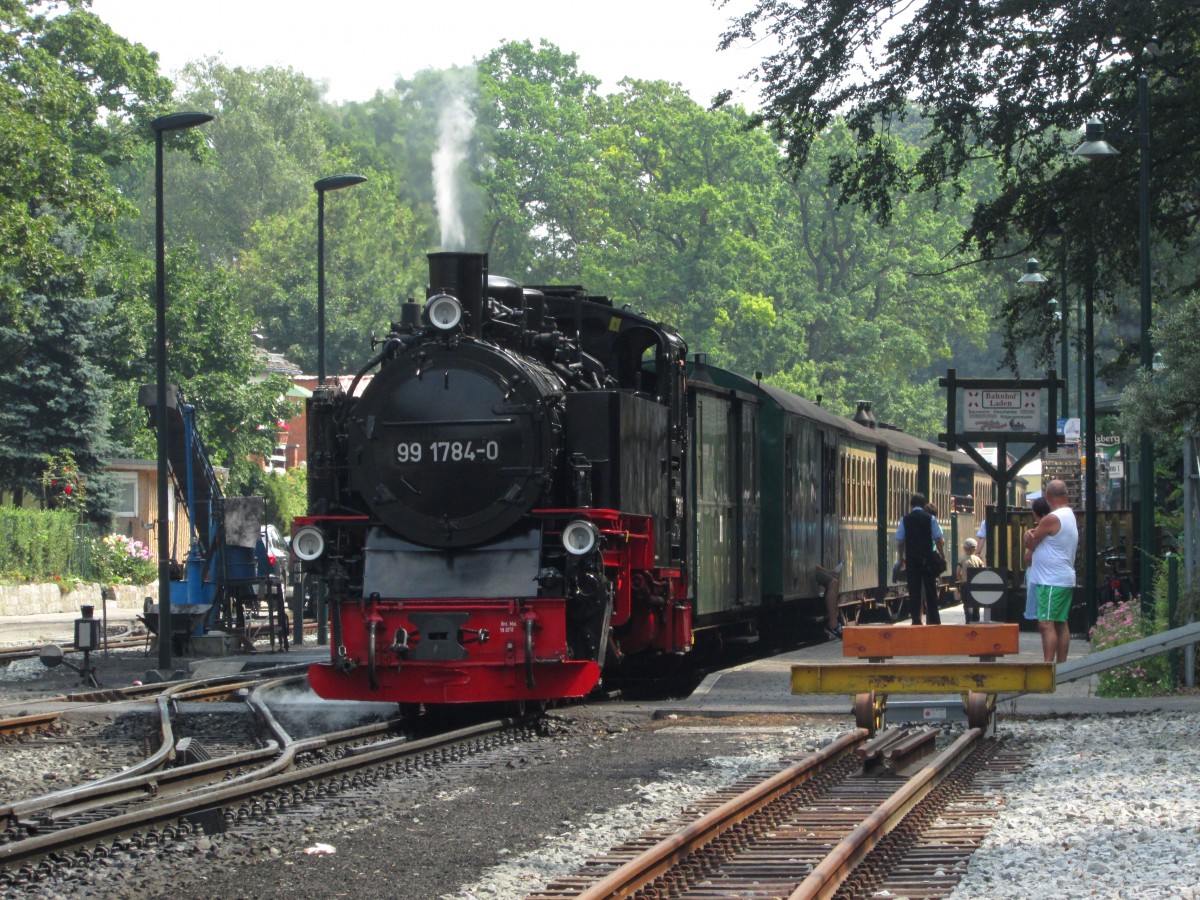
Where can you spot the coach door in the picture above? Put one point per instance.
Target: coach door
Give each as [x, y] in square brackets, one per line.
[726, 500]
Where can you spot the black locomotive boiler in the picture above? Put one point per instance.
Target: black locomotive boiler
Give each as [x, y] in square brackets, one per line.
[526, 487]
[496, 504]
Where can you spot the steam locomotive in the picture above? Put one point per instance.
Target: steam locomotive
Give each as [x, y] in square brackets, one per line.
[527, 487]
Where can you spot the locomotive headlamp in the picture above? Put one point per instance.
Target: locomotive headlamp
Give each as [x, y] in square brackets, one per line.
[308, 542]
[443, 311]
[580, 537]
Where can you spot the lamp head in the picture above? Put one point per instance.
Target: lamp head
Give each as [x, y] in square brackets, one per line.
[1052, 229]
[337, 182]
[1032, 275]
[179, 121]
[1094, 145]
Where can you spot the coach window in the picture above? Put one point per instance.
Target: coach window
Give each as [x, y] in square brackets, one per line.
[862, 487]
[848, 486]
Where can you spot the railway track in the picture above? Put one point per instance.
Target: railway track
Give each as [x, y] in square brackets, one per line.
[204, 689]
[154, 803]
[891, 816]
[123, 641]
[32, 651]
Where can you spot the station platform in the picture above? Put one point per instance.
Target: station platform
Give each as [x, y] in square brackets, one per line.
[764, 687]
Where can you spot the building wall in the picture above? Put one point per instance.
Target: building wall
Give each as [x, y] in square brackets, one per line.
[139, 479]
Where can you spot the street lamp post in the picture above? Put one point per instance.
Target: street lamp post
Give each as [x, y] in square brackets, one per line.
[1095, 147]
[331, 183]
[1090, 504]
[1146, 443]
[1054, 231]
[173, 122]
[1034, 276]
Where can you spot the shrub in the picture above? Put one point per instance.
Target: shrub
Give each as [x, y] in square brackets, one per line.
[63, 485]
[1122, 623]
[286, 496]
[117, 559]
[36, 544]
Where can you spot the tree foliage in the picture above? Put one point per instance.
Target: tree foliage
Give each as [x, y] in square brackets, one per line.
[53, 396]
[372, 265]
[1169, 396]
[1009, 82]
[75, 99]
[535, 161]
[261, 152]
[210, 355]
[683, 212]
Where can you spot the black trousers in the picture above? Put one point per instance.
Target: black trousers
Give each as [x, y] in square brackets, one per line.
[922, 585]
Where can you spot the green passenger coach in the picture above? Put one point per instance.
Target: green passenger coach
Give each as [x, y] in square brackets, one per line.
[780, 486]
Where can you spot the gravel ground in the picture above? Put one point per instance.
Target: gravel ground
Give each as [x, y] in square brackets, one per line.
[72, 752]
[495, 831]
[1110, 808]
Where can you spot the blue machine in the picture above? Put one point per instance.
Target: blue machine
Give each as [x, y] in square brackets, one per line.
[221, 575]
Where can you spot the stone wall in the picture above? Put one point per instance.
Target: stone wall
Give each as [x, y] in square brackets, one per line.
[39, 599]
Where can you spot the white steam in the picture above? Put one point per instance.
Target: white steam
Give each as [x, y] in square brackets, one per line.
[454, 133]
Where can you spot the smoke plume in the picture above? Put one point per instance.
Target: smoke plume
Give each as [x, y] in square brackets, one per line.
[454, 133]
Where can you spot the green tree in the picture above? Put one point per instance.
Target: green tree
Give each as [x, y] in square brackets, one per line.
[399, 132]
[535, 161]
[264, 150]
[880, 306]
[1009, 82]
[75, 99]
[210, 355]
[684, 219]
[1166, 402]
[53, 396]
[371, 266]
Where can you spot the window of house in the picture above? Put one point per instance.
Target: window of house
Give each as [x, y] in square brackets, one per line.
[127, 496]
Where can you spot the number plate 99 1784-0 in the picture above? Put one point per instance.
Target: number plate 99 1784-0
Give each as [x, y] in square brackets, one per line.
[447, 451]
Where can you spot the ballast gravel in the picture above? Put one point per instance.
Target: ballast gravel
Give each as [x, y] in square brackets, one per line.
[1109, 807]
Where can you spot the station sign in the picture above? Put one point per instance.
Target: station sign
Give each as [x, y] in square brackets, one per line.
[1002, 410]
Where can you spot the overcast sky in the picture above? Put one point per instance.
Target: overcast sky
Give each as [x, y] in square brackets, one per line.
[359, 46]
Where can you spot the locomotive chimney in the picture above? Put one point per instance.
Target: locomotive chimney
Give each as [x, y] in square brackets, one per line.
[461, 275]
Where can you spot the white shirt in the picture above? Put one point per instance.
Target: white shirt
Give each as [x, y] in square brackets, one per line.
[1054, 557]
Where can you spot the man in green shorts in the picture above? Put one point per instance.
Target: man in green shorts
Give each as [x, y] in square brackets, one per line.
[1053, 544]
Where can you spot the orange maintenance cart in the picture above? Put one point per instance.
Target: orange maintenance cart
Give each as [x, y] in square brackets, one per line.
[978, 682]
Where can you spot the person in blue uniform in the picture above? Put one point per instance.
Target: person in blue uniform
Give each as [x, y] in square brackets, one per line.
[916, 537]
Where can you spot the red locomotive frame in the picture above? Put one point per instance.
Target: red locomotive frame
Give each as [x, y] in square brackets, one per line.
[514, 649]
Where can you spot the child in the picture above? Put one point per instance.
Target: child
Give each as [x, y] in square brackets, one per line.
[969, 561]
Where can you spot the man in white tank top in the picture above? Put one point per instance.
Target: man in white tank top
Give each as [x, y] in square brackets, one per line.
[1053, 544]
